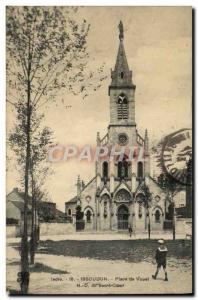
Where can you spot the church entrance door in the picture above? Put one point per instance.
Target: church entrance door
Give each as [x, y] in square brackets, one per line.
[123, 216]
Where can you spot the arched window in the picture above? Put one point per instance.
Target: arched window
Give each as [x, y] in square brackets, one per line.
[69, 212]
[105, 169]
[119, 169]
[88, 214]
[140, 169]
[122, 107]
[122, 169]
[122, 75]
[125, 165]
[105, 209]
[157, 216]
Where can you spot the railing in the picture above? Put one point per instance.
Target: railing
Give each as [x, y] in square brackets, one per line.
[104, 140]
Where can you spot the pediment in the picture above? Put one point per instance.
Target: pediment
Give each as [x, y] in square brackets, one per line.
[104, 191]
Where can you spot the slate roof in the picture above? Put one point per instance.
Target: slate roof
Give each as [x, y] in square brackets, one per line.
[59, 213]
[89, 183]
[73, 200]
[16, 195]
[20, 205]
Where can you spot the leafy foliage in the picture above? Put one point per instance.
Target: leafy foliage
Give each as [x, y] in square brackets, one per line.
[48, 48]
[46, 51]
[168, 183]
[40, 138]
[148, 196]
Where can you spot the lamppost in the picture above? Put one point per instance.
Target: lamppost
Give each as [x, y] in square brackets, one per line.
[174, 220]
[149, 223]
[97, 210]
[111, 210]
[148, 196]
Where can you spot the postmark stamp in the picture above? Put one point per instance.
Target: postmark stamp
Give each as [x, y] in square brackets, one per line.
[176, 153]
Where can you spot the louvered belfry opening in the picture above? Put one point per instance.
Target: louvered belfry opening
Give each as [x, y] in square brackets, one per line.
[122, 107]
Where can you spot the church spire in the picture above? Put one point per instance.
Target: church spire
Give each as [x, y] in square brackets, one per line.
[121, 29]
[121, 75]
[122, 89]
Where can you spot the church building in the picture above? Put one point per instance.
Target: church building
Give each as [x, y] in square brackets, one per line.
[122, 193]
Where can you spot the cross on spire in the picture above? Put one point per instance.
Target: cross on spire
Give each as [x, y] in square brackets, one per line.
[121, 29]
[121, 75]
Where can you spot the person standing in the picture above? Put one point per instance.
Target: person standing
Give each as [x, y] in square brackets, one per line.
[130, 230]
[160, 257]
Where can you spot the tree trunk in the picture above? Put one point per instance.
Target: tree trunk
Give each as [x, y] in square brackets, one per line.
[174, 221]
[149, 223]
[24, 241]
[36, 222]
[149, 228]
[24, 250]
[32, 241]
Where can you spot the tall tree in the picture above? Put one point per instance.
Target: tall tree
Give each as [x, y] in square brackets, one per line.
[171, 188]
[39, 169]
[39, 166]
[46, 51]
[147, 204]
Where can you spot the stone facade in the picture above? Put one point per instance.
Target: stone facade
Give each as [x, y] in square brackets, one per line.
[116, 197]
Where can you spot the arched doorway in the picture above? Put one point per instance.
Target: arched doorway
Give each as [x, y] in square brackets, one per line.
[123, 216]
[158, 219]
[89, 218]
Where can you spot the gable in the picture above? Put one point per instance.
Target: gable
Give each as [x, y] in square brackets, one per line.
[122, 186]
[12, 211]
[104, 190]
[14, 196]
[154, 187]
[88, 194]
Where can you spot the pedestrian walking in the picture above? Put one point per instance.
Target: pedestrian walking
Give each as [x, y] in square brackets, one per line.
[160, 257]
[130, 230]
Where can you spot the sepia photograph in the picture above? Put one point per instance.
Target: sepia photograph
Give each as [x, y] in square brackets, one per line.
[99, 162]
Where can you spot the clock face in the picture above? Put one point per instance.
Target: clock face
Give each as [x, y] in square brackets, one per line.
[176, 152]
[122, 139]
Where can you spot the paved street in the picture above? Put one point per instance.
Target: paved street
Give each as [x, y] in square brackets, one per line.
[66, 267]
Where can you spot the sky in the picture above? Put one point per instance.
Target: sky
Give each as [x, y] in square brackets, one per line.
[158, 46]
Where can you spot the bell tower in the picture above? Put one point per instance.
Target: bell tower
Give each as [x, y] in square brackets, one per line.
[122, 94]
[122, 89]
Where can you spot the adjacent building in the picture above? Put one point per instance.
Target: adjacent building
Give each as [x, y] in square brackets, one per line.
[46, 212]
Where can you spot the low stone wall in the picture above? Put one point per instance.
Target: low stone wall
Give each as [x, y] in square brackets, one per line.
[56, 228]
[11, 230]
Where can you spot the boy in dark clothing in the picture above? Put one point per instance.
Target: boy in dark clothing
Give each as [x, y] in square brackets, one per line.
[160, 257]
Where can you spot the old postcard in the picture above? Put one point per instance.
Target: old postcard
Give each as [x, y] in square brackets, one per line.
[99, 150]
